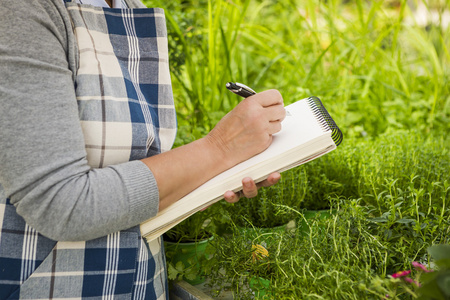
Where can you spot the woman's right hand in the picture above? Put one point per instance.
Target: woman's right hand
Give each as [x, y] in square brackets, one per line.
[247, 130]
[244, 132]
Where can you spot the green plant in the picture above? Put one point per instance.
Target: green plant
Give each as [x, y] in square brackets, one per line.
[398, 164]
[264, 210]
[436, 285]
[202, 42]
[326, 49]
[238, 260]
[186, 260]
[347, 256]
[192, 229]
[185, 246]
[353, 254]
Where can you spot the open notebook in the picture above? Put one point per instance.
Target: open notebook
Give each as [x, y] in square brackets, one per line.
[308, 132]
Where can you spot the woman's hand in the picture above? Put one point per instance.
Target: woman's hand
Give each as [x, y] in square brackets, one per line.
[247, 130]
[244, 132]
[250, 188]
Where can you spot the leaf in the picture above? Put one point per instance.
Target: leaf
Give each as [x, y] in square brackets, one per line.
[405, 221]
[398, 204]
[439, 252]
[191, 273]
[172, 272]
[443, 281]
[180, 266]
[443, 263]
[378, 220]
[430, 290]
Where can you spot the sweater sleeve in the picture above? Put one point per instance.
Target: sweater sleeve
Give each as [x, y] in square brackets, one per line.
[43, 166]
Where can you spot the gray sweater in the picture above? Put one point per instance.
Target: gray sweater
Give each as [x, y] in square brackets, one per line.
[43, 166]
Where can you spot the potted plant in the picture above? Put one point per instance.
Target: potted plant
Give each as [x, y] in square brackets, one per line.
[267, 212]
[186, 248]
[329, 177]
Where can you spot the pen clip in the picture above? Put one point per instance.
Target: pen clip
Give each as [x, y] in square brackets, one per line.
[240, 89]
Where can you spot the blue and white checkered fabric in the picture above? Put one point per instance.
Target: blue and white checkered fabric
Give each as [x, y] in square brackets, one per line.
[102, 3]
[132, 115]
[126, 110]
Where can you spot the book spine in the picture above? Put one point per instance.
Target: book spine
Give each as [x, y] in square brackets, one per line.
[325, 120]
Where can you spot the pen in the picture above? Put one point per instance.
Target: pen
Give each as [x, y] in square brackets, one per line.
[240, 89]
[244, 91]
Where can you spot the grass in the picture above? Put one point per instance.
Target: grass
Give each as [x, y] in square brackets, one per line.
[391, 207]
[385, 81]
[372, 70]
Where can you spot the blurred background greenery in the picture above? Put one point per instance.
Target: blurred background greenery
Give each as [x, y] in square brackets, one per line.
[372, 63]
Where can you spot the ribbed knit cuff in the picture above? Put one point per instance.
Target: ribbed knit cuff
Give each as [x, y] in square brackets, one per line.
[143, 194]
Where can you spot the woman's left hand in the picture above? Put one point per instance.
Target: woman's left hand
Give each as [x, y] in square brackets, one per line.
[250, 188]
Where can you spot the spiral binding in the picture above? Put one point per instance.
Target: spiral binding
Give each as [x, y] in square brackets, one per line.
[324, 119]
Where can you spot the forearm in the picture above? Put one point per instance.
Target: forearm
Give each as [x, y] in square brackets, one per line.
[181, 170]
[245, 131]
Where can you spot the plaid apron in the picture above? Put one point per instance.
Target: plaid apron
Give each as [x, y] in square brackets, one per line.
[126, 111]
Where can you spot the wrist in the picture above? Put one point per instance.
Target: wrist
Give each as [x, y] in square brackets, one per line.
[220, 152]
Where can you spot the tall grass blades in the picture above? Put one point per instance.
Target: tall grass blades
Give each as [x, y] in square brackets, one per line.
[205, 33]
[373, 66]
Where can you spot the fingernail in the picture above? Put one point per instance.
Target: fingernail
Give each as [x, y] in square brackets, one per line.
[248, 184]
[228, 196]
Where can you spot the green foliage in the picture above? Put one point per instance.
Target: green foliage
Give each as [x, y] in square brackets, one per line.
[265, 210]
[391, 199]
[185, 260]
[398, 166]
[202, 40]
[386, 82]
[194, 228]
[373, 68]
[436, 285]
[346, 256]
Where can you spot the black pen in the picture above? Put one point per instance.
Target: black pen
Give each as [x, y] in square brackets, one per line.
[243, 91]
[240, 89]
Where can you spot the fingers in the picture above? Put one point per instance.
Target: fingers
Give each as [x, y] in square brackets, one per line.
[274, 127]
[232, 197]
[250, 189]
[247, 129]
[271, 180]
[273, 109]
[269, 98]
[275, 113]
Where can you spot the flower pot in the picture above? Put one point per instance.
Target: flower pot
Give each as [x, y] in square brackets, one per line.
[190, 254]
[313, 215]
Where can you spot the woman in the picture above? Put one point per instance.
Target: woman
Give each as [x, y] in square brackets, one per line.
[88, 120]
